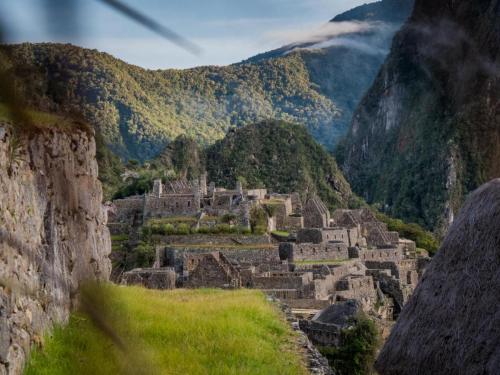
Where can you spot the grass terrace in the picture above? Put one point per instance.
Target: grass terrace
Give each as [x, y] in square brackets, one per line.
[174, 332]
[173, 220]
[280, 233]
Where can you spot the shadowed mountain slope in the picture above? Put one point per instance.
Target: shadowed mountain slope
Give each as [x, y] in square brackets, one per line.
[428, 130]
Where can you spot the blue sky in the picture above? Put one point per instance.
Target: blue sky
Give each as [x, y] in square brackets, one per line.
[228, 31]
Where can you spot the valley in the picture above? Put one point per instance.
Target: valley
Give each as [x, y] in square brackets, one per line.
[327, 207]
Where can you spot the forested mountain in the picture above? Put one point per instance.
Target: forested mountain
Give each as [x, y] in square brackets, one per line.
[428, 131]
[280, 156]
[139, 111]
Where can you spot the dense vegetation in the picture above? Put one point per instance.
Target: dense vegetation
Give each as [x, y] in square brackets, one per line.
[176, 332]
[280, 156]
[139, 111]
[356, 353]
[412, 231]
[385, 10]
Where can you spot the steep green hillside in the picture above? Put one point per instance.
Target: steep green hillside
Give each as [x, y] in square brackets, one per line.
[428, 130]
[139, 111]
[280, 156]
[184, 156]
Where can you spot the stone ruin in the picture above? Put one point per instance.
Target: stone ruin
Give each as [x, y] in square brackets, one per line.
[152, 278]
[325, 328]
[196, 199]
[356, 258]
[212, 270]
[327, 261]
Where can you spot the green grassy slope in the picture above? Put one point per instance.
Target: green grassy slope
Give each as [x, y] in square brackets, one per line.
[175, 332]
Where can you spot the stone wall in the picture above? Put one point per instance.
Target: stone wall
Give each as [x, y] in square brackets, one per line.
[326, 284]
[127, 208]
[310, 235]
[213, 271]
[321, 334]
[53, 234]
[171, 205]
[392, 254]
[360, 288]
[152, 278]
[316, 214]
[204, 239]
[174, 257]
[293, 223]
[308, 251]
[283, 280]
[321, 235]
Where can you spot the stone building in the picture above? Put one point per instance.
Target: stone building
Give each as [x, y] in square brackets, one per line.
[211, 270]
[331, 250]
[316, 214]
[374, 231]
[191, 198]
[360, 259]
[301, 283]
[325, 328]
[152, 278]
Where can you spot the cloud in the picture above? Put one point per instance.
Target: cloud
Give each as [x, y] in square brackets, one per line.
[369, 37]
[323, 33]
[346, 42]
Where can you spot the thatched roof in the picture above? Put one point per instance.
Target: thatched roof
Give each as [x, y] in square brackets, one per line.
[451, 325]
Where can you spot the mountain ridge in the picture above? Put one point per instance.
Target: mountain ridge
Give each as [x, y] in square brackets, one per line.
[139, 111]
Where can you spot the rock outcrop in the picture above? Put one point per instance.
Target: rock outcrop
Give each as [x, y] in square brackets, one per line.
[451, 325]
[427, 132]
[53, 233]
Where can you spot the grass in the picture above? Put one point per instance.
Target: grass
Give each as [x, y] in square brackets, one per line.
[119, 237]
[175, 332]
[173, 220]
[273, 201]
[280, 233]
[307, 262]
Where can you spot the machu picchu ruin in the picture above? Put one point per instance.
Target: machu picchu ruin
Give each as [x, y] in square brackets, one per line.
[299, 253]
[239, 188]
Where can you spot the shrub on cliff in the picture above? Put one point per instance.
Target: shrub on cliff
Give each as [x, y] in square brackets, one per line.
[356, 354]
[424, 239]
[145, 254]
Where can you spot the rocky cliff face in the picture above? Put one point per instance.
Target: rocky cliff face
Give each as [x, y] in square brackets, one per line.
[53, 233]
[451, 323]
[428, 132]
